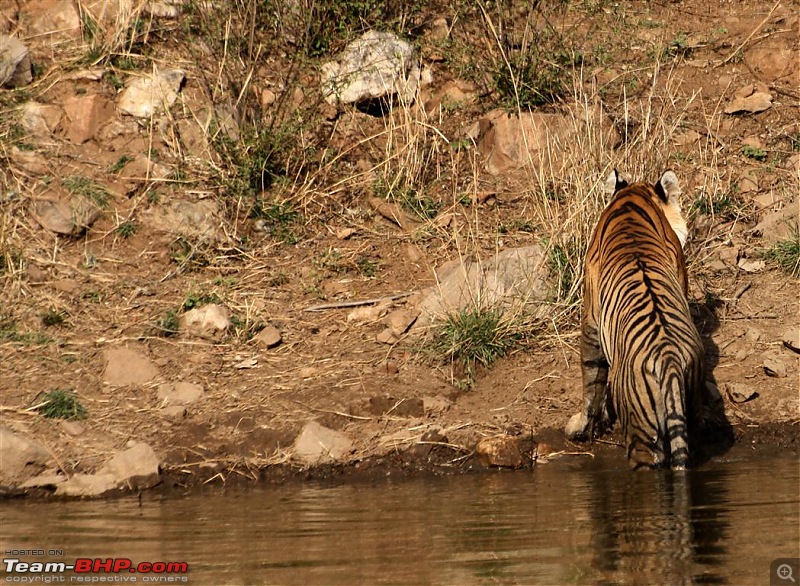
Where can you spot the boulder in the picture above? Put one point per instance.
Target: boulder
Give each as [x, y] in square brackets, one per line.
[20, 458]
[136, 468]
[512, 141]
[377, 65]
[514, 278]
[15, 63]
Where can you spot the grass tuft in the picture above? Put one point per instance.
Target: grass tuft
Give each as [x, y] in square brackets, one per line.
[60, 404]
[786, 254]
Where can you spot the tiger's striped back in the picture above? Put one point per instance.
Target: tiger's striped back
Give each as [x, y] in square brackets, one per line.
[637, 335]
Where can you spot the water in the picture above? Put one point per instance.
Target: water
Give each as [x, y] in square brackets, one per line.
[573, 521]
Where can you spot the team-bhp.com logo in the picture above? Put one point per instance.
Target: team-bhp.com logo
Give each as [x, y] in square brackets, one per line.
[94, 570]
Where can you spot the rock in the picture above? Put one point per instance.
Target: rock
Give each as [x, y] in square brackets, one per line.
[56, 20]
[179, 394]
[393, 213]
[196, 221]
[751, 265]
[774, 366]
[454, 93]
[502, 452]
[400, 320]
[510, 142]
[86, 485]
[70, 217]
[436, 405]
[31, 161]
[125, 366]
[46, 479]
[73, 428]
[367, 313]
[164, 8]
[517, 277]
[387, 336]
[740, 393]
[210, 322]
[269, 337]
[791, 339]
[377, 65]
[749, 99]
[147, 96]
[15, 63]
[39, 119]
[20, 458]
[317, 444]
[86, 115]
[136, 468]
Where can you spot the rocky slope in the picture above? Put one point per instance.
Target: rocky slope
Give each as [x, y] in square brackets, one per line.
[234, 275]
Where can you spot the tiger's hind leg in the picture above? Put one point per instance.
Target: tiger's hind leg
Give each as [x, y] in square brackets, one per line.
[595, 417]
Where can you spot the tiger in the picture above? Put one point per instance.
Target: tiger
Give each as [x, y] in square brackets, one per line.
[642, 357]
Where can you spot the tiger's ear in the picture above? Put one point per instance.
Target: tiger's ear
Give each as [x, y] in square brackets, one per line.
[614, 183]
[668, 188]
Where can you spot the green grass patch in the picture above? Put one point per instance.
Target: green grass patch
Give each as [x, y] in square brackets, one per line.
[60, 404]
[786, 254]
[755, 153]
[85, 187]
[475, 336]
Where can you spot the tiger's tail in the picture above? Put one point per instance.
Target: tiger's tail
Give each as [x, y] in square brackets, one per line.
[677, 427]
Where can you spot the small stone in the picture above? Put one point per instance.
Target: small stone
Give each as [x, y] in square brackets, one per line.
[345, 233]
[268, 98]
[73, 428]
[500, 452]
[400, 320]
[269, 337]
[740, 393]
[791, 339]
[436, 405]
[752, 102]
[390, 367]
[774, 367]
[69, 217]
[174, 412]
[750, 265]
[146, 96]
[181, 393]
[387, 336]
[35, 274]
[86, 115]
[210, 322]
[39, 119]
[316, 444]
[125, 366]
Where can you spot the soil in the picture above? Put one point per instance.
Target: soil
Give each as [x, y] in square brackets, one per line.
[402, 409]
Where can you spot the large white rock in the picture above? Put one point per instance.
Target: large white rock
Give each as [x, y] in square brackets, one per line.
[377, 65]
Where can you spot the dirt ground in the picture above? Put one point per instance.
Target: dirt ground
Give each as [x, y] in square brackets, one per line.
[399, 407]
